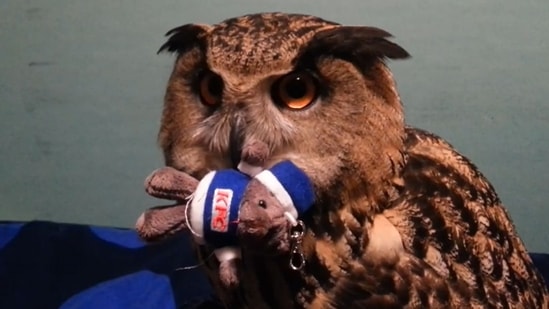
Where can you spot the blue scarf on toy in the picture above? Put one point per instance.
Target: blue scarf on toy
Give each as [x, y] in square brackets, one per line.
[216, 201]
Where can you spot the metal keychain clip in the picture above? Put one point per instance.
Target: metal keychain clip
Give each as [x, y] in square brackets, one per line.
[297, 259]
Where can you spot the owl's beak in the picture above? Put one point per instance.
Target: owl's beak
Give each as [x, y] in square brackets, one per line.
[236, 140]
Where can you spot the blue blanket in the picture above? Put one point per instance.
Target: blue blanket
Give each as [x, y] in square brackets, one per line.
[47, 265]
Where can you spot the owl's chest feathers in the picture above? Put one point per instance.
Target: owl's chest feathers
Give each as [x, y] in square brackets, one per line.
[429, 222]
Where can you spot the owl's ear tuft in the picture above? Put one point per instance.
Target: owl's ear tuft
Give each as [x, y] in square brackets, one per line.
[184, 38]
[353, 43]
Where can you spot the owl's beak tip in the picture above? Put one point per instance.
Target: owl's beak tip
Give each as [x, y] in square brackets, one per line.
[234, 153]
[236, 141]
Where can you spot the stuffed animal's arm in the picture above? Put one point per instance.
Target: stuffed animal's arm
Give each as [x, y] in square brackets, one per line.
[163, 221]
[170, 184]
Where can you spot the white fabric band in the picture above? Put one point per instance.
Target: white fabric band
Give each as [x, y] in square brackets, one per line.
[271, 182]
[197, 207]
[227, 253]
[248, 169]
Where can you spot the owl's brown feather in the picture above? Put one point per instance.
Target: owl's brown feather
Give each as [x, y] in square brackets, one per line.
[401, 219]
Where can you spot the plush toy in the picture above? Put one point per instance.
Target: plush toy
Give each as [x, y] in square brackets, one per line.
[207, 208]
[268, 212]
[161, 222]
[210, 208]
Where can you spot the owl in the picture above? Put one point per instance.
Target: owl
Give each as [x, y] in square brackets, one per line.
[400, 220]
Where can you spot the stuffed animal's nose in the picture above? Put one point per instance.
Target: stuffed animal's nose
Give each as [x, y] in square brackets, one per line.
[253, 222]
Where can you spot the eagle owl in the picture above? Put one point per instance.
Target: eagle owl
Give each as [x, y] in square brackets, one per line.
[401, 219]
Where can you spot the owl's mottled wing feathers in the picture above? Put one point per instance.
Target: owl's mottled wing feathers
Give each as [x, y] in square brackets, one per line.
[408, 283]
[452, 226]
[460, 249]
[466, 224]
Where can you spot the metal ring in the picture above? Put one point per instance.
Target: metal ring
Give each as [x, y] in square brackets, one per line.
[298, 230]
[297, 260]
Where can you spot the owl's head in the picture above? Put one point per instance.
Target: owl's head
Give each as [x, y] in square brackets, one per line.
[314, 91]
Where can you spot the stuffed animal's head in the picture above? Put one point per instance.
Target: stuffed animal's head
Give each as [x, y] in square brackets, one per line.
[273, 201]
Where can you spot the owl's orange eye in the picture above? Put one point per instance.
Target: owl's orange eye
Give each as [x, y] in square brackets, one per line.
[296, 90]
[210, 88]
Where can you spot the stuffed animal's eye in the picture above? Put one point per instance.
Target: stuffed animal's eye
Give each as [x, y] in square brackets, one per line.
[295, 90]
[262, 204]
[210, 88]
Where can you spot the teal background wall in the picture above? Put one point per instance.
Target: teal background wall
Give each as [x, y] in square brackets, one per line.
[81, 94]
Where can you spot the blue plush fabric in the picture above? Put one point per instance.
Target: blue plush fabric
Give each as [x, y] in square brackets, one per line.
[47, 265]
[218, 226]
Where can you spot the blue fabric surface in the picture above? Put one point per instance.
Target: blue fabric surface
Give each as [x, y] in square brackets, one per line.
[47, 265]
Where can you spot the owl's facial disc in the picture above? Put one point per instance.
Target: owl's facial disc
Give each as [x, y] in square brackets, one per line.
[311, 91]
